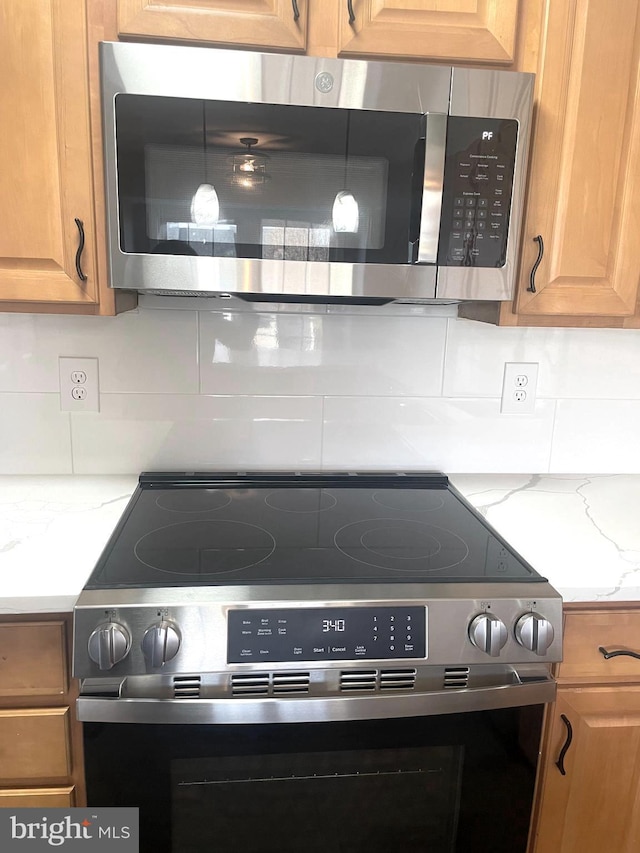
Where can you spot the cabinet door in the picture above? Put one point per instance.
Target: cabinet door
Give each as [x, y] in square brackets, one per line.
[584, 186]
[34, 745]
[33, 659]
[276, 24]
[596, 805]
[454, 30]
[37, 798]
[46, 174]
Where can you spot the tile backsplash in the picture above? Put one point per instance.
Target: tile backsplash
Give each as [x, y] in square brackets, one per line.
[312, 387]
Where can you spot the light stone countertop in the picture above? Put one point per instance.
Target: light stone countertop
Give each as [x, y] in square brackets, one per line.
[581, 532]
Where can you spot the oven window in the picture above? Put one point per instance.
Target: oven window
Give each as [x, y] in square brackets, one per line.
[440, 784]
[265, 181]
[375, 800]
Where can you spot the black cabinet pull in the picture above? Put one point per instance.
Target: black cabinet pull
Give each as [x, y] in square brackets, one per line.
[352, 17]
[81, 275]
[567, 744]
[532, 275]
[606, 655]
[296, 11]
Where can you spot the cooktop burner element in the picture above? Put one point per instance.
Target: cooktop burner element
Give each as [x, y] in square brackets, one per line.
[204, 548]
[260, 529]
[300, 500]
[401, 545]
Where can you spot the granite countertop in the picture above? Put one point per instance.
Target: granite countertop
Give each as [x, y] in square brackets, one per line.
[579, 531]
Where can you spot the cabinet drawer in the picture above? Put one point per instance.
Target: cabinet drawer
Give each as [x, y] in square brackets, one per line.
[34, 745]
[585, 633]
[46, 798]
[32, 659]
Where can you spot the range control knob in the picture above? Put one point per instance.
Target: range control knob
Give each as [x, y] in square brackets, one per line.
[109, 644]
[488, 633]
[534, 632]
[160, 643]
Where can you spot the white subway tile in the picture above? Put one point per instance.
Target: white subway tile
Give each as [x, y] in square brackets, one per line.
[477, 352]
[35, 436]
[320, 354]
[138, 352]
[593, 363]
[599, 436]
[439, 434]
[172, 432]
[574, 363]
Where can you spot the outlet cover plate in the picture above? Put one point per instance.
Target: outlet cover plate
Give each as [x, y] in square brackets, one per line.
[519, 388]
[72, 373]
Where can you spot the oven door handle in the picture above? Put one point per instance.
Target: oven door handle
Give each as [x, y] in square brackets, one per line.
[523, 690]
[432, 188]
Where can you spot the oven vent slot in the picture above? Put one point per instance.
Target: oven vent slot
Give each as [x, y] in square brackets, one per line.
[397, 679]
[290, 682]
[250, 684]
[186, 687]
[358, 679]
[456, 677]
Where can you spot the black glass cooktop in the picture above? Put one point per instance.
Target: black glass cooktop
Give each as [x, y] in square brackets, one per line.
[189, 530]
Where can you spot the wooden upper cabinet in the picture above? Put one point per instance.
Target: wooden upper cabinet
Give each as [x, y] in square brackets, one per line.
[469, 31]
[45, 149]
[271, 24]
[584, 184]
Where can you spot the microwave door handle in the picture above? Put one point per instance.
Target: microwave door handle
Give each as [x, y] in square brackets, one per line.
[432, 188]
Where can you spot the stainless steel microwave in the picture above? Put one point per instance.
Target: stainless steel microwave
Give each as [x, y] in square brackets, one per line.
[293, 178]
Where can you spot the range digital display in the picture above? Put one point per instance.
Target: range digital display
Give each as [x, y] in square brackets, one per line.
[326, 633]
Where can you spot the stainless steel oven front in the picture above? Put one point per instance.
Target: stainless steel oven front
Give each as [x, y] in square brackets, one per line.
[314, 662]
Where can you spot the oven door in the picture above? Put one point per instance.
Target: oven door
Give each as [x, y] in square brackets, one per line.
[455, 782]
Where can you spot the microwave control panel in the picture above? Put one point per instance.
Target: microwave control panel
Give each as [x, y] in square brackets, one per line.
[326, 633]
[478, 183]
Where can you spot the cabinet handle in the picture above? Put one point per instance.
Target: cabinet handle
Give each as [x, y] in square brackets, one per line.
[567, 744]
[352, 16]
[81, 275]
[532, 275]
[606, 655]
[296, 11]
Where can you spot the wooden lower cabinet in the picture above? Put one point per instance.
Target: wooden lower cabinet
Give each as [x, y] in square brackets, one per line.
[46, 798]
[41, 760]
[588, 798]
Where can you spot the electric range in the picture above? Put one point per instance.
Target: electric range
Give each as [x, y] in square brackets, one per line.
[239, 597]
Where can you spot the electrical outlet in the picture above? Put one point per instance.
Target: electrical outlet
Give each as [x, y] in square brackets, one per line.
[79, 388]
[519, 388]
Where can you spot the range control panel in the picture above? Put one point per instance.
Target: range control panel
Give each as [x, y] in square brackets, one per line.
[478, 183]
[326, 633]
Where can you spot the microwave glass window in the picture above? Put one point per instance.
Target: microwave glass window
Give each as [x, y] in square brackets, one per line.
[226, 179]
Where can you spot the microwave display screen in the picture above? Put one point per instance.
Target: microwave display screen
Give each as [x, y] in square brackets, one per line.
[282, 182]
